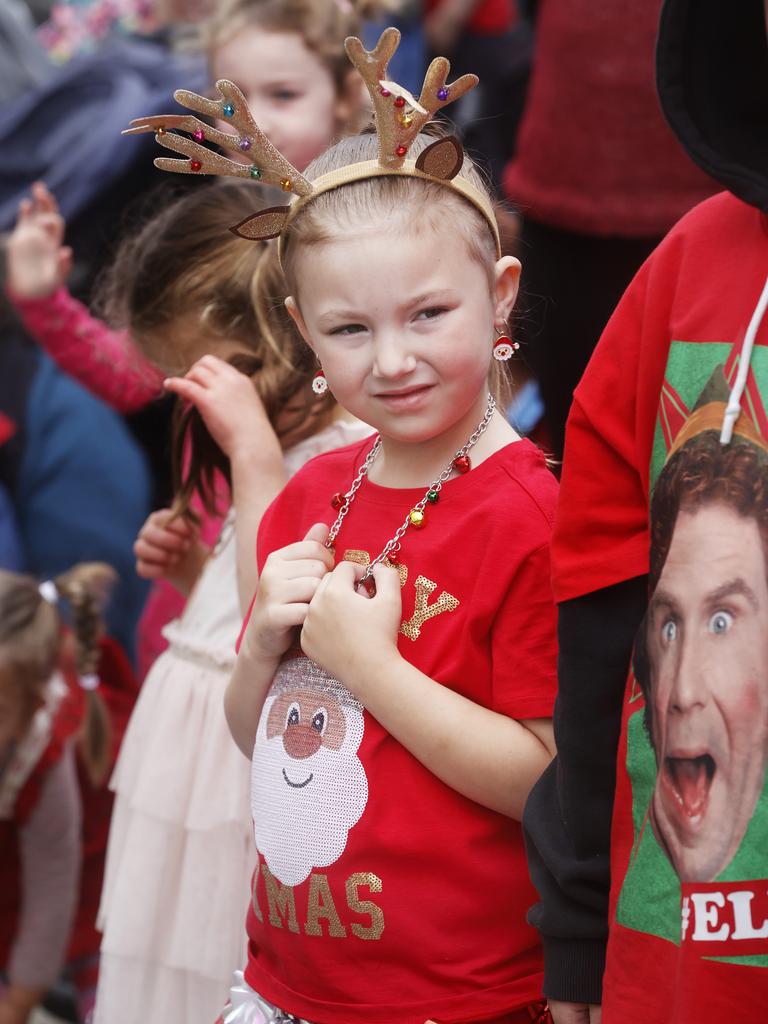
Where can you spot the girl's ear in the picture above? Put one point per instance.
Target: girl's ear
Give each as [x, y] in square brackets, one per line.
[295, 314]
[507, 275]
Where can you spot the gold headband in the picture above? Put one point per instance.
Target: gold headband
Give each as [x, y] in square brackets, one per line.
[399, 119]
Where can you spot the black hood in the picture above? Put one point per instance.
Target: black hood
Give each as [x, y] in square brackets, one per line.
[712, 76]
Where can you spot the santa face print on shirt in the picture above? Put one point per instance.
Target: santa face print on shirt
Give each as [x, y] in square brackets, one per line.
[308, 785]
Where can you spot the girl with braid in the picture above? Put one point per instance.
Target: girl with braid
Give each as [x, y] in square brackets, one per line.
[57, 737]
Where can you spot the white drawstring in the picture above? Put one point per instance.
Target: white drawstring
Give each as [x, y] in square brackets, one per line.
[733, 409]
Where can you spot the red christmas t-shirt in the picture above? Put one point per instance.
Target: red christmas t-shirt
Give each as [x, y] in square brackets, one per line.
[689, 903]
[382, 894]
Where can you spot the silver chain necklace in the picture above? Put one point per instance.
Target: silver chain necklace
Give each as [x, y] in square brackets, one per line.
[459, 463]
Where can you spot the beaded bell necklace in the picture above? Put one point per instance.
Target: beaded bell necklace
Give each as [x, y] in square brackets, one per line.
[460, 463]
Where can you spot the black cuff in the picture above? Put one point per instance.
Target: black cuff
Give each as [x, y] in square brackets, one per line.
[573, 969]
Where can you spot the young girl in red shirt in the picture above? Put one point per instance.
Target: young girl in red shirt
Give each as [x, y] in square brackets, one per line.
[396, 676]
[395, 681]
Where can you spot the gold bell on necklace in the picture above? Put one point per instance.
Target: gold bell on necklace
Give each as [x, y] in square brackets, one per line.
[417, 518]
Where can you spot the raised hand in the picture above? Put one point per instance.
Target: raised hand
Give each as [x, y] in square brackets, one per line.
[230, 407]
[38, 262]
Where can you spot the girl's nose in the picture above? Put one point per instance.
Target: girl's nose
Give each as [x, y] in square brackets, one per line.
[392, 360]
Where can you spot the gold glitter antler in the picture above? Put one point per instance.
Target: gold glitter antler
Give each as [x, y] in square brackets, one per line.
[400, 117]
[268, 164]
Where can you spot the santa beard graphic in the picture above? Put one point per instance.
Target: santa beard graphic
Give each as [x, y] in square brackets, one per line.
[308, 786]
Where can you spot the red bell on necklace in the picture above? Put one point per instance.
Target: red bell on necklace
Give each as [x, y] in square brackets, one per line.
[337, 501]
[462, 464]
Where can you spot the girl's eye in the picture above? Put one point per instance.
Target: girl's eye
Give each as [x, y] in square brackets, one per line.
[347, 329]
[431, 313]
[285, 95]
[720, 622]
[669, 631]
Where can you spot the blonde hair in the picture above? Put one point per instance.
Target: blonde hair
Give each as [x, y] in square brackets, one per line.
[31, 641]
[322, 24]
[423, 205]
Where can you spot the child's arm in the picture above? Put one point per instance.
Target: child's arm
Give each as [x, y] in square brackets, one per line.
[235, 418]
[50, 858]
[104, 361]
[480, 753]
[287, 584]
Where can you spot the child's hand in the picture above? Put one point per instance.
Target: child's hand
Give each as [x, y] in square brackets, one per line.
[37, 260]
[230, 407]
[288, 582]
[345, 631]
[170, 550]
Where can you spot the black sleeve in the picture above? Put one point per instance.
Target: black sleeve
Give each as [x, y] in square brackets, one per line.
[567, 819]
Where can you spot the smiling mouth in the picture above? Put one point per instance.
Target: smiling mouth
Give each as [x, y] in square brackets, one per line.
[690, 780]
[298, 785]
[405, 393]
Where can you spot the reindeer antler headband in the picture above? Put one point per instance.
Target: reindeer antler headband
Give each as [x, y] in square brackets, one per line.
[399, 119]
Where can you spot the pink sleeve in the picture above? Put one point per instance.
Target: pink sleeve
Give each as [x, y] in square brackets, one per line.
[51, 856]
[102, 360]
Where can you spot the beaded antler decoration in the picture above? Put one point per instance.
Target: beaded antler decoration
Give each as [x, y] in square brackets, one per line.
[399, 119]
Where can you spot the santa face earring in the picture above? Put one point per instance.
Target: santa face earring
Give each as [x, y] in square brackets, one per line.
[319, 383]
[504, 348]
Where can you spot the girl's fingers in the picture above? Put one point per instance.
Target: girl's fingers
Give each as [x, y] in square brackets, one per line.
[318, 532]
[387, 581]
[213, 363]
[299, 567]
[299, 591]
[44, 198]
[349, 572]
[64, 262]
[165, 520]
[290, 615]
[184, 388]
[165, 540]
[25, 210]
[201, 372]
[149, 552]
[149, 571]
[153, 556]
[304, 549]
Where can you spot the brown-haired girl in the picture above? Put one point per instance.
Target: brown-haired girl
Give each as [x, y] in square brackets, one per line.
[289, 59]
[181, 848]
[51, 715]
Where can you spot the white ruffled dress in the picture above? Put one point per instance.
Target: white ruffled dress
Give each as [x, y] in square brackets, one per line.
[181, 849]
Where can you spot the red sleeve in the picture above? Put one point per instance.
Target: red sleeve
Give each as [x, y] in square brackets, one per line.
[104, 361]
[524, 643]
[601, 527]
